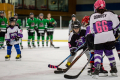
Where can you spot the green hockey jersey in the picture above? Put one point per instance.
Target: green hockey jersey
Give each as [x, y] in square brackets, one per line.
[31, 24]
[19, 23]
[50, 24]
[3, 24]
[41, 25]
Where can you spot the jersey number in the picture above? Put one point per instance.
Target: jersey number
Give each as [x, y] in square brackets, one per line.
[101, 26]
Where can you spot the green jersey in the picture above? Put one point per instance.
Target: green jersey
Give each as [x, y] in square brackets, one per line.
[19, 23]
[31, 24]
[3, 24]
[41, 25]
[50, 24]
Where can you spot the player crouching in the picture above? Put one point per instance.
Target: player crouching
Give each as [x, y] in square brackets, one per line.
[12, 37]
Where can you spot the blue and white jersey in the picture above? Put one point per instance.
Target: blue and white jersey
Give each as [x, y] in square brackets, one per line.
[102, 26]
[12, 33]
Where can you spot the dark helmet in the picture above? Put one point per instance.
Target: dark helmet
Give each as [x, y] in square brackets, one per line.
[73, 15]
[1, 12]
[76, 25]
[31, 13]
[15, 14]
[12, 19]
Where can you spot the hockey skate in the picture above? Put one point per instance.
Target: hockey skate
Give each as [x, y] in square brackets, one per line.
[96, 72]
[103, 73]
[51, 45]
[18, 57]
[38, 45]
[7, 57]
[113, 70]
[34, 46]
[90, 72]
[42, 45]
[68, 64]
[29, 46]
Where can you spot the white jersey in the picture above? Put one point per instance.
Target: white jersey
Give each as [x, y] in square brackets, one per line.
[12, 33]
[102, 26]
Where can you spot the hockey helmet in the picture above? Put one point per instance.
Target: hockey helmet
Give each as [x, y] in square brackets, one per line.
[99, 4]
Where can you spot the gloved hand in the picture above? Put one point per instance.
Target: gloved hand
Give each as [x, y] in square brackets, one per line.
[73, 51]
[17, 38]
[7, 42]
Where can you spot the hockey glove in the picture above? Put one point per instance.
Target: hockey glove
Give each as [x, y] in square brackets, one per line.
[8, 43]
[17, 38]
[73, 51]
[80, 41]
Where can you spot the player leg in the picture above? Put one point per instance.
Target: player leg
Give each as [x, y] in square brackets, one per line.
[3, 39]
[51, 39]
[33, 40]
[117, 45]
[43, 38]
[9, 47]
[21, 43]
[17, 47]
[38, 39]
[47, 38]
[109, 53]
[29, 38]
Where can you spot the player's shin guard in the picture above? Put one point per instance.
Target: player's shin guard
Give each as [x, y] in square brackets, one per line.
[47, 39]
[38, 40]
[43, 41]
[17, 47]
[9, 50]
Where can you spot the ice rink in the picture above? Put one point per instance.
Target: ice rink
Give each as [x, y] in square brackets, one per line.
[34, 64]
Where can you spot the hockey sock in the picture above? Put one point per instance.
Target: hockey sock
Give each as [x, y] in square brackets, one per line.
[88, 55]
[9, 50]
[109, 54]
[0, 41]
[33, 39]
[17, 47]
[43, 40]
[47, 38]
[51, 37]
[92, 54]
[29, 38]
[97, 57]
[21, 42]
[38, 39]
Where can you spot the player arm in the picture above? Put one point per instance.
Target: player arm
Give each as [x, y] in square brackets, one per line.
[20, 35]
[7, 36]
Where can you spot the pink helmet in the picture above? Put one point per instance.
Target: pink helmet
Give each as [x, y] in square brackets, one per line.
[100, 4]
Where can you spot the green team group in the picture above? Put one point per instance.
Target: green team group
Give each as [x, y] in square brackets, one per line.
[40, 25]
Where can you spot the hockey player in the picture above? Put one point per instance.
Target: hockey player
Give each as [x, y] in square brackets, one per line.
[31, 24]
[102, 73]
[51, 24]
[102, 23]
[76, 39]
[12, 37]
[117, 44]
[41, 24]
[3, 25]
[71, 21]
[19, 23]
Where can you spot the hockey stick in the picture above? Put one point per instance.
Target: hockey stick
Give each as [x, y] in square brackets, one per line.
[76, 76]
[6, 45]
[52, 66]
[65, 70]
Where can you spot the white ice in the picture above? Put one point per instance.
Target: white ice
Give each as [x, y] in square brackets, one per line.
[34, 64]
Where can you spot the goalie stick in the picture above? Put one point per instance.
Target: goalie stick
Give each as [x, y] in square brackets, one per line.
[65, 70]
[53, 66]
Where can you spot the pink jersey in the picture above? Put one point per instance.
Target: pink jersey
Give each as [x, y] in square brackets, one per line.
[102, 26]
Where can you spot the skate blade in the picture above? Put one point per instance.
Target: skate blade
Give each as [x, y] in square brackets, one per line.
[18, 59]
[103, 74]
[89, 74]
[7, 59]
[95, 76]
[114, 74]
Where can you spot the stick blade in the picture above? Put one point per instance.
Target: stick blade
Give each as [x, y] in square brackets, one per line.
[70, 77]
[52, 66]
[58, 72]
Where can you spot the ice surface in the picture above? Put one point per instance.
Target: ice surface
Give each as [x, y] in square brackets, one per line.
[34, 64]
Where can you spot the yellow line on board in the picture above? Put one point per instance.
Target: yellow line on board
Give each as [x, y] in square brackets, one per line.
[53, 40]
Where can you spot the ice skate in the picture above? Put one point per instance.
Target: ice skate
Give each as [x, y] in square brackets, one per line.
[96, 72]
[29, 46]
[68, 64]
[113, 70]
[103, 73]
[38, 45]
[34, 46]
[18, 57]
[42, 45]
[7, 57]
